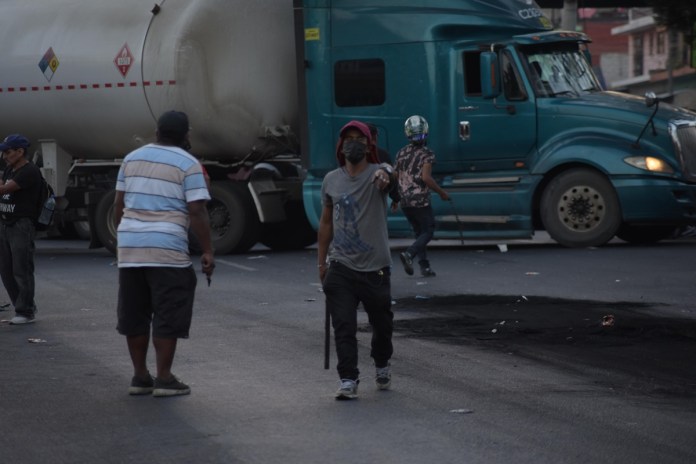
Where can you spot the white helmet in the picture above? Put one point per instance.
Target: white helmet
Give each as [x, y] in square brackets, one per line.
[416, 128]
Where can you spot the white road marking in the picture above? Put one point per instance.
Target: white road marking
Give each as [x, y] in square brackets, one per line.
[238, 266]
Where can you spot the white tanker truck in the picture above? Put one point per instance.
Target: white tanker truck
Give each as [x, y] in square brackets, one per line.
[86, 80]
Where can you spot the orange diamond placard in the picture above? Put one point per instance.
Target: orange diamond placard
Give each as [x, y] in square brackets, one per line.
[124, 60]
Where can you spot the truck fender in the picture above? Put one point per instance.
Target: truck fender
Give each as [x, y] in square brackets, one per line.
[600, 151]
[269, 200]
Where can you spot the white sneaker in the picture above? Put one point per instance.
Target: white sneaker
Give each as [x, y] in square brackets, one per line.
[19, 320]
[383, 377]
[348, 390]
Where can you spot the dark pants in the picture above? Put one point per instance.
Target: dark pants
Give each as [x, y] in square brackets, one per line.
[17, 264]
[422, 221]
[344, 289]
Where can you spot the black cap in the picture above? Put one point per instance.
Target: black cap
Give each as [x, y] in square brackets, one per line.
[173, 124]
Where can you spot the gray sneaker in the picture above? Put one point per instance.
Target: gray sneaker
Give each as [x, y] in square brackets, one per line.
[348, 390]
[427, 272]
[140, 386]
[20, 320]
[407, 261]
[172, 387]
[383, 377]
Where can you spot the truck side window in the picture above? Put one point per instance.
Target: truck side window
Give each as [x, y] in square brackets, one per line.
[512, 84]
[359, 83]
[472, 73]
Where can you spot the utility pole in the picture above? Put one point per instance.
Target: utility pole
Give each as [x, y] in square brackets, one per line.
[569, 17]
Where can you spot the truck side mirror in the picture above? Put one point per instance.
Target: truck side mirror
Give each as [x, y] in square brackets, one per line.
[490, 75]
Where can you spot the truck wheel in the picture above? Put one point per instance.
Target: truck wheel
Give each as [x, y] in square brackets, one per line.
[579, 208]
[104, 221]
[643, 235]
[294, 234]
[234, 222]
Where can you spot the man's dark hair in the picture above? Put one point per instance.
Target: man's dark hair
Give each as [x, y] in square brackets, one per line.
[172, 128]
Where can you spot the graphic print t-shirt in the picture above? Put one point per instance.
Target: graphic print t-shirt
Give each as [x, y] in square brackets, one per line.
[359, 213]
[23, 202]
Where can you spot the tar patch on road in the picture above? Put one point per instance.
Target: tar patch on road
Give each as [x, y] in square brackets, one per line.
[626, 346]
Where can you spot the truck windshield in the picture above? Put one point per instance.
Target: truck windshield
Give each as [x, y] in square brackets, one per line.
[556, 72]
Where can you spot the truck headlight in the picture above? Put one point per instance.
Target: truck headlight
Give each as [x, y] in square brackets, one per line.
[649, 163]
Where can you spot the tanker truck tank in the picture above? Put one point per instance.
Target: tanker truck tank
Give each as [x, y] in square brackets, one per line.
[87, 79]
[108, 69]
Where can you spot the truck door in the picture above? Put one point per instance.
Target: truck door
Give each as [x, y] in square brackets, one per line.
[495, 134]
[495, 139]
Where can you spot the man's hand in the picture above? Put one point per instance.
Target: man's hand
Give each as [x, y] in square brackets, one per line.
[322, 271]
[381, 179]
[208, 264]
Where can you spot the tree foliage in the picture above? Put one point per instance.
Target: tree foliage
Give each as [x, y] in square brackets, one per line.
[678, 15]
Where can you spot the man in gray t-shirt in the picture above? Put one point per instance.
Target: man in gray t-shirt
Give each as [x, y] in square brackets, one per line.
[353, 254]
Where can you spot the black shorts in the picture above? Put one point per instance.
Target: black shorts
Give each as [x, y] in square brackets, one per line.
[157, 296]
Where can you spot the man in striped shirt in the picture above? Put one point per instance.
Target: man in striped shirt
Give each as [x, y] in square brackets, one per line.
[160, 192]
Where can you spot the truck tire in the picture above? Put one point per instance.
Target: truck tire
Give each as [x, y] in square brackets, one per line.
[104, 221]
[579, 208]
[234, 223]
[644, 235]
[294, 234]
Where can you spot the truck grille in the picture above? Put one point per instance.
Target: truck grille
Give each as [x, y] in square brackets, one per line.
[684, 136]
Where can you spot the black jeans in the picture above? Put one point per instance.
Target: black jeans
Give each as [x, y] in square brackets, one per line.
[17, 264]
[344, 289]
[423, 222]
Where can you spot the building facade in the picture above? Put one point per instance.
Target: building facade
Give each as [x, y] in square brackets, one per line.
[659, 60]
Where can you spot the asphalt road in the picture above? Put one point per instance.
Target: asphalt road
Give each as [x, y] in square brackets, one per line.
[535, 355]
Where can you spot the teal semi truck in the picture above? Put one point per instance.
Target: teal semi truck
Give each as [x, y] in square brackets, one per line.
[525, 138]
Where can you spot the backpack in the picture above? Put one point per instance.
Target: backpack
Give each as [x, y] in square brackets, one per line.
[45, 206]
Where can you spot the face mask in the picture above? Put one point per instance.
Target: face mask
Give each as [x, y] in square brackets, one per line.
[354, 151]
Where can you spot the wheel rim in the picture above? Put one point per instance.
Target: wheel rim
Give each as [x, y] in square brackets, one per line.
[581, 208]
[219, 218]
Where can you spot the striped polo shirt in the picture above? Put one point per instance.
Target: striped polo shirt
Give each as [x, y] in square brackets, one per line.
[158, 181]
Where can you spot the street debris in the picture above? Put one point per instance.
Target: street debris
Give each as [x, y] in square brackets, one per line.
[502, 247]
[608, 320]
[462, 411]
[36, 340]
